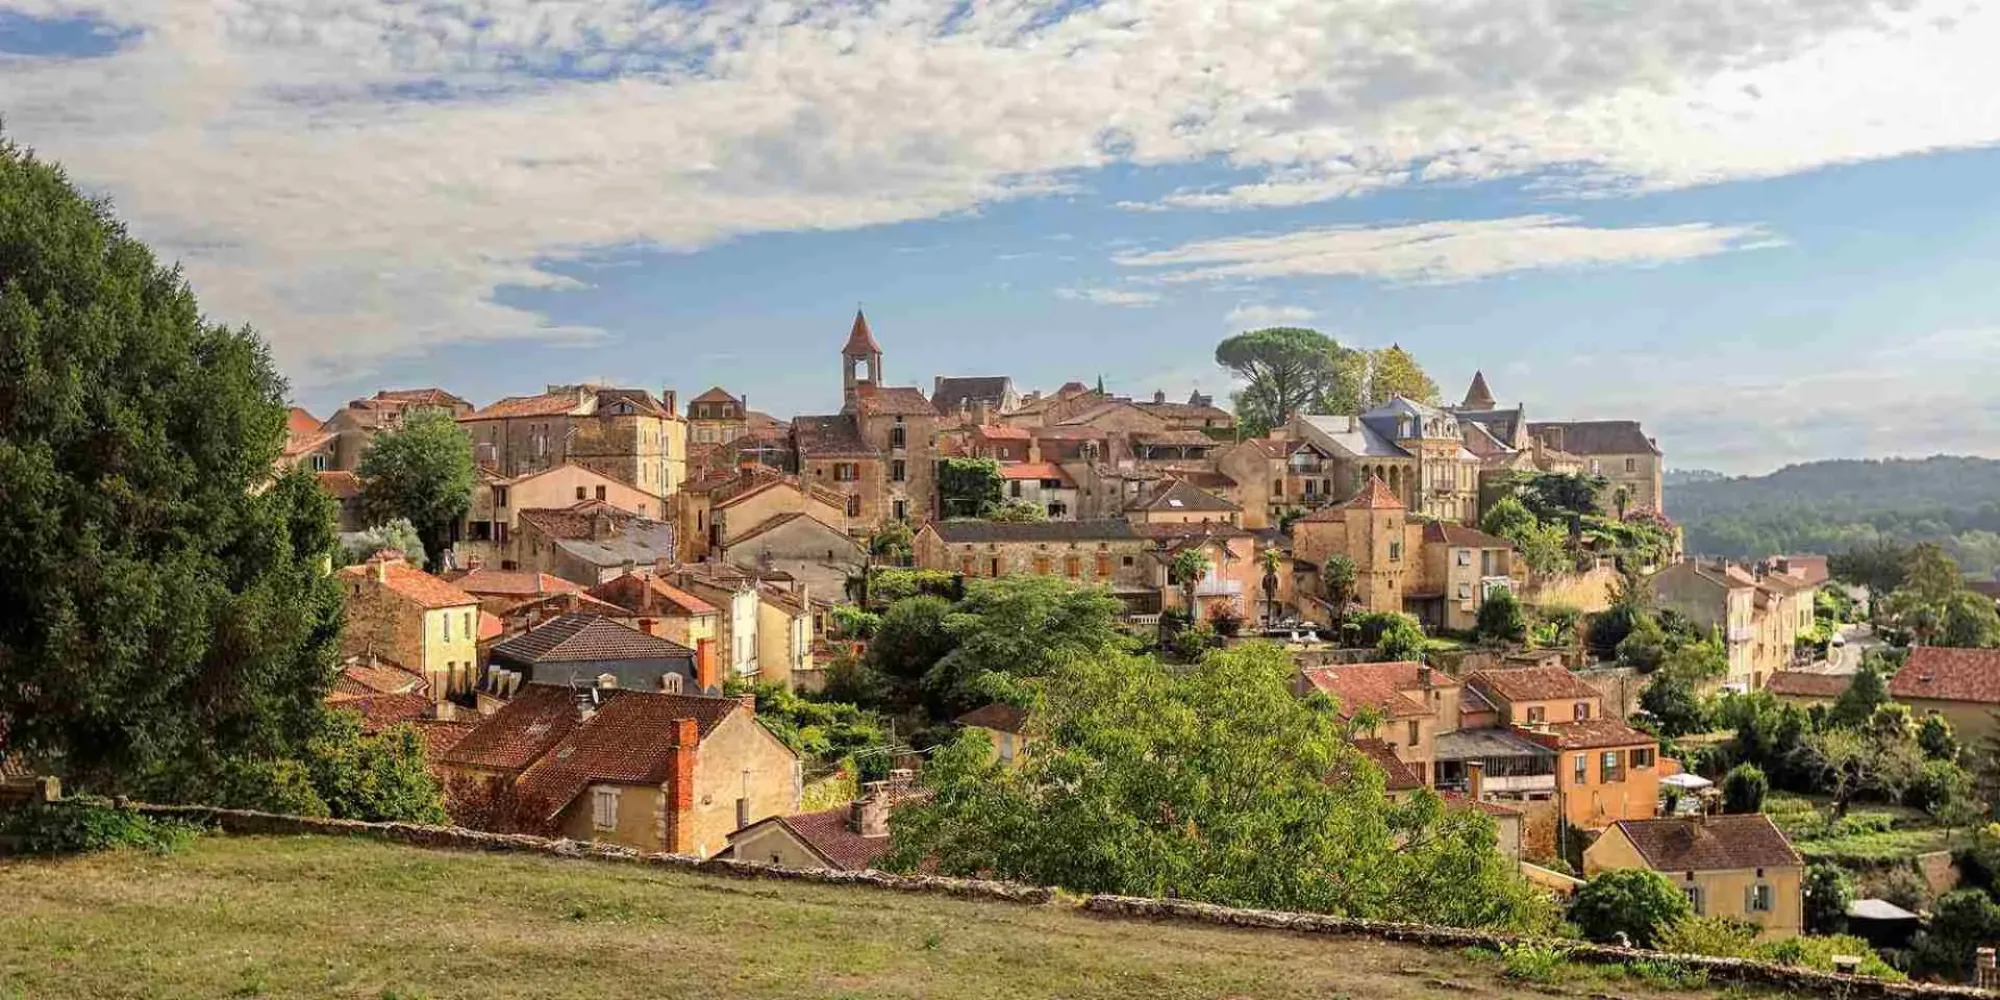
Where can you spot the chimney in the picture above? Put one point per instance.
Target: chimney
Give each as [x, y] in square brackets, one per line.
[746, 467]
[985, 412]
[600, 525]
[1424, 677]
[646, 626]
[869, 816]
[680, 787]
[671, 401]
[645, 593]
[381, 571]
[1034, 449]
[473, 563]
[937, 386]
[705, 676]
[1159, 396]
[1475, 780]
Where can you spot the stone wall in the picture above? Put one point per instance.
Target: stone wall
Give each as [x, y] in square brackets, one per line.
[1620, 687]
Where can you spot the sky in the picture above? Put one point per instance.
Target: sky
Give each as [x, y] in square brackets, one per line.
[1768, 229]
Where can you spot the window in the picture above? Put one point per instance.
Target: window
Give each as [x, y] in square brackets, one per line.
[1537, 714]
[1631, 465]
[446, 618]
[1465, 591]
[604, 809]
[467, 624]
[1395, 551]
[994, 565]
[742, 813]
[1042, 565]
[1642, 758]
[1073, 566]
[1058, 511]
[1465, 557]
[499, 496]
[1612, 768]
[965, 565]
[600, 493]
[1758, 898]
[1694, 894]
[1014, 489]
[1582, 710]
[1416, 735]
[897, 438]
[902, 510]
[1278, 487]
[319, 462]
[899, 470]
[1580, 769]
[853, 505]
[846, 472]
[580, 495]
[1127, 561]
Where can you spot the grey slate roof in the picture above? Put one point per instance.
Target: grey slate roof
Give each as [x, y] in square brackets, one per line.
[969, 391]
[641, 543]
[1356, 441]
[958, 532]
[1599, 437]
[587, 637]
[1475, 744]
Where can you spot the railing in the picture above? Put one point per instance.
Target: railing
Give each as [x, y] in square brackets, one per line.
[1152, 619]
[1520, 783]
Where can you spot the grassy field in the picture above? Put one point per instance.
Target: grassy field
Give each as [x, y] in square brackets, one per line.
[318, 917]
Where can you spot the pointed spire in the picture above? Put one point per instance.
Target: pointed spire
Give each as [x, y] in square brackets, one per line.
[1375, 496]
[860, 342]
[1479, 397]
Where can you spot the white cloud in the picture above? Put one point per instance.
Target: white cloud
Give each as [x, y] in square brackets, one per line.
[1438, 252]
[360, 178]
[1110, 296]
[1256, 316]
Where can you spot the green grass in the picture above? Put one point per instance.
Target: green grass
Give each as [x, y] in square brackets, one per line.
[323, 917]
[1873, 848]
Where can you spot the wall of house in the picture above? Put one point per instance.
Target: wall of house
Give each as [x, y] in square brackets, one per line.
[739, 759]
[1127, 560]
[1597, 804]
[783, 644]
[641, 823]
[745, 513]
[1724, 893]
[1256, 474]
[1552, 709]
[684, 629]
[772, 844]
[641, 449]
[918, 489]
[1971, 721]
[871, 487]
[1618, 689]
[816, 554]
[1640, 474]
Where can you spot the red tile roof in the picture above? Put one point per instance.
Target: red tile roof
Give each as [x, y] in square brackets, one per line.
[833, 436]
[859, 339]
[1396, 775]
[629, 593]
[526, 726]
[1806, 684]
[1532, 684]
[1943, 673]
[994, 432]
[574, 521]
[893, 400]
[1458, 800]
[997, 717]
[1375, 496]
[1034, 470]
[380, 677]
[1590, 734]
[547, 405]
[299, 423]
[1712, 843]
[628, 741]
[412, 584]
[339, 484]
[1377, 685]
[1180, 495]
[1463, 537]
[715, 394]
[511, 583]
[587, 637]
[382, 711]
[831, 836]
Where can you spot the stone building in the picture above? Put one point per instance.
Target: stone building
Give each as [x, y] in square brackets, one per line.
[1440, 572]
[1108, 552]
[625, 434]
[1417, 451]
[716, 417]
[881, 450]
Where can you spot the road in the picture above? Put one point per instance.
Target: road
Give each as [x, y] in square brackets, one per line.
[1846, 659]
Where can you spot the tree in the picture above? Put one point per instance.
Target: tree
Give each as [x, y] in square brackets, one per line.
[1542, 546]
[1969, 622]
[1829, 891]
[968, 487]
[1557, 496]
[1936, 739]
[1858, 703]
[1961, 923]
[1402, 640]
[1500, 617]
[421, 472]
[1635, 902]
[1846, 761]
[1393, 372]
[1012, 630]
[1621, 499]
[1339, 575]
[1187, 570]
[1644, 647]
[1210, 783]
[1923, 603]
[1673, 704]
[1743, 789]
[1880, 566]
[376, 778]
[1018, 512]
[1272, 560]
[398, 535]
[909, 640]
[1289, 370]
[166, 599]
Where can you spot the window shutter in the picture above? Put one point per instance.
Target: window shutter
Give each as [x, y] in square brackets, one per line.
[1749, 899]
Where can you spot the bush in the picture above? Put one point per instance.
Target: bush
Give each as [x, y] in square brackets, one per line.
[1962, 922]
[1226, 622]
[1936, 739]
[1817, 952]
[1500, 617]
[1191, 643]
[80, 826]
[1533, 963]
[1716, 936]
[851, 622]
[1633, 901]
[1829, 890]
[1744, 788]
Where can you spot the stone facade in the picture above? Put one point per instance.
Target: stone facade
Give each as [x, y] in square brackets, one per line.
[625, 434]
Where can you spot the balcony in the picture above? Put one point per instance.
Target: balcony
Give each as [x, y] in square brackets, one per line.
[1742, 633]
[1218, 588]
[1526, 783]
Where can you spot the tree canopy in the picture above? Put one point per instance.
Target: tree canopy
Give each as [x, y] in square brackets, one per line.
[1211, 783]
[1290, 370]
[420, 472]
[167, 603]
[1392, 372]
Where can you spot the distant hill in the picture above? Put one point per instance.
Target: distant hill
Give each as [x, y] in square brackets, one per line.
[1678, 477]
[1834, 505]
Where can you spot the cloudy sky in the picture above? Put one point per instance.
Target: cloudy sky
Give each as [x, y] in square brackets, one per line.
[1768, 228]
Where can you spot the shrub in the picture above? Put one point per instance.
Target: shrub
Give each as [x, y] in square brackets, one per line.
[1534, 963]
[80, 826]
[1189, 644]
[1500, 617]
[1636, 902]
[1936, 739]
[1744, 788]
[1829, 890]
[1962, 921]
[854, 623]
[1716, 936]
[1817, 952]
[1226, 622]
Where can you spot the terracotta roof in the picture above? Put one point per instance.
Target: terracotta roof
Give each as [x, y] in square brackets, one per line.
[339, 484]
[859, 339]
[893, 399]
[380, 677]
[587, 637]
[1587, 734]
[1034, 470]
[998, 716]
[1375, 495]
[1598, 437]
[958, 532]
[574, 521]
[1179, 495]
[1207, 479]
[299, 423]
[1472, 701]
[1396, 775]
[554, 606]
[1943, 673]
[1812, 570]
[431, 396]
[299, 444]
[1712, 843]
[1176, 438]
[510, 739]
[1532, 684]
[1068, 433]
[547, 405]
[1208, 411]
[1377, 685]
[628, 592]
[383, 711]
[777, 521]
[1273, 447]
[629, 740]
[490, 625]
[1463, 537]
[782, 599]
[1187, 531]
[835, 436]
[484, 582]
[413, 584]
[1806, 684]
[968, 391]
[996, 432]
[440, 735]
[715, 394]
[830, 835]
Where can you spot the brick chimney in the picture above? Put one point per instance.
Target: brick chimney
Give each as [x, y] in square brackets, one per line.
[601, 526]
[646, 625]
[1475, 780]
[985, 413]
[869, 815]
[937, 385]
[380, 570]
[746, 467]
[670, 400]
[705, 676]
[1424, 677]
[678, 835]
[1159, 396]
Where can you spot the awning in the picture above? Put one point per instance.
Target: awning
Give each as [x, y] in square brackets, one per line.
[1686, 782]
[1877, 909]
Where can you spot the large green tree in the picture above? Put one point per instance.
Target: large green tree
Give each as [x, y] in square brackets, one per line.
[1542, 546]
[421, 472]
[1392, 372]
[167, 604]
[1290, 370]
[1211, 782]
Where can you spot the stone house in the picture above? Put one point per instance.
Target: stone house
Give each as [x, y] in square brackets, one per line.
[343, 438]
[785, 636]
[716, 513]
[1962, 685]
[1107, 553]
[589, 542]
[974, 400]
[624, 434]
[1417, 451]
[1619, 450]
[423, 624]
[1532, 696]
[501, 589]
[848, 838]
[1606, 771]
[1416, 705]
[1806, 688]
[716, 417]
[1460, 568]
[733, 592]
[652, 771]
[1234, 580]
[999, 443]
[1373, 530]
[881, 449]
[1043, 485]
[1737, 867]
[1178, 501]
[345, 489]
[1758, 616]
[487, 530]
[811, 552]
[1278, 475]
[650, 604]
[1199, 413]
[1006, 726]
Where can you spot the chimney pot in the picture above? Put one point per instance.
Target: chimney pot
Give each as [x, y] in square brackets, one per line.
[869, 815]
[670, 401]
[704, 666]
[1159, 396]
